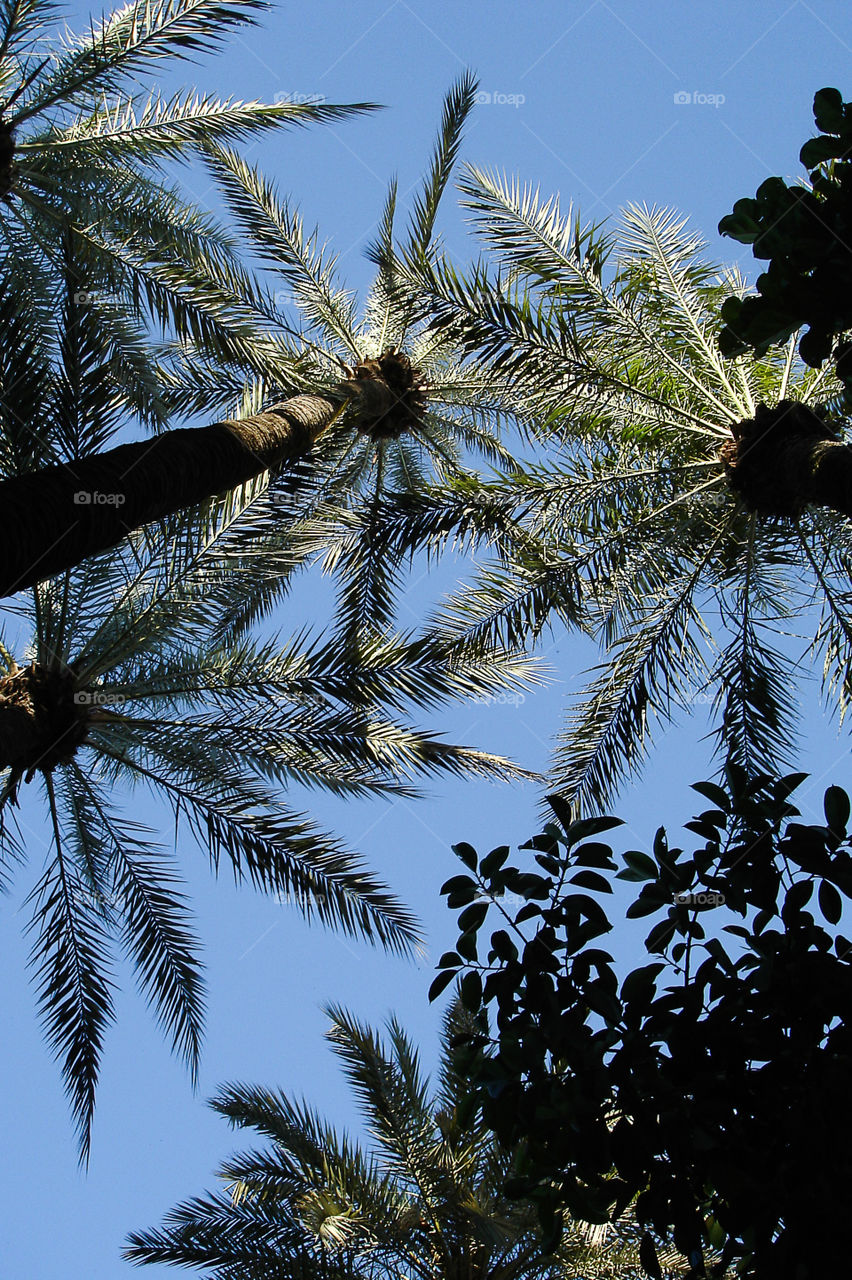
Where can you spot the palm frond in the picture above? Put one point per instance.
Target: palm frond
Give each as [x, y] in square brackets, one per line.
[72, 970]
[277, 231]
[143, 32]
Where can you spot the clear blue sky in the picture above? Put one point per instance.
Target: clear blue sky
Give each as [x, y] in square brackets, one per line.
[583, 101]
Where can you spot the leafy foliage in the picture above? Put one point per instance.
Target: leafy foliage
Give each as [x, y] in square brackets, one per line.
[804, 232]
[426, 1198]
[219, 726]
[710, 1086]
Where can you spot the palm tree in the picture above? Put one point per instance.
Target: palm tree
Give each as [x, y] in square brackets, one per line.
[425, 1201]
[88, 219]
[135, 675]
[97, 249]
[56, 517]
[402, 407]
[139, 665]
[653, 515]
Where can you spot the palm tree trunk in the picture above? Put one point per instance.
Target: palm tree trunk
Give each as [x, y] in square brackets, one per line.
[53, 519]
[787, 458]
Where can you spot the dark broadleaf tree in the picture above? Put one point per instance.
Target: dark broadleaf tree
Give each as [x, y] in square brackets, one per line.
[803, 231]
[709, 1088]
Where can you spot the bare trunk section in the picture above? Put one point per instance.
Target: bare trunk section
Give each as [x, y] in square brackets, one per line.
[787, 458]
[53, 519]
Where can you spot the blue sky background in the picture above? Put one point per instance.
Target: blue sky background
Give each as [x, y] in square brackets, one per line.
[583, 101]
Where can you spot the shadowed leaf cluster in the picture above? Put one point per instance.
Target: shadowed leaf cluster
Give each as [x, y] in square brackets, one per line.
[708, 1088]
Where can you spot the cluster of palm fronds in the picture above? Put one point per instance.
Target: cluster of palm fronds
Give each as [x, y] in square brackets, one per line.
[427, 1200]
[578, 364]
[622, 521]
[155, 640]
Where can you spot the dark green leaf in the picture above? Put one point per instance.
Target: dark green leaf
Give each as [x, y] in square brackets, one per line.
[828, 110]
[836, 809]
[467, 853]
[830, 902]
[591, 880]
[817, 150]
[440, 983]
[648, 1257]
[466, 946]
[493, 861]
[471, 918]
[471, 991]
[661, 935]
[713, 792]
[457, 883]
[586, 827]
[644, 867]
[561, 808]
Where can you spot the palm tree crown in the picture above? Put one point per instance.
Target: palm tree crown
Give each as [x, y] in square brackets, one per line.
[92, 232]
[425, 1200]
[634, 520]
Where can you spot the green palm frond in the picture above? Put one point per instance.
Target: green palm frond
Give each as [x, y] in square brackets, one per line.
[278, 232]
[124, 127]
[532, 236]
[425, 1199]
[145, 894]
[154, 640]
[130, 39]
[608, 338]
[89, 150]
[70, 960]
[457, 107]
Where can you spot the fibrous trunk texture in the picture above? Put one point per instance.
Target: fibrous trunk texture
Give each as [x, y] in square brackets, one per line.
[50, 520]
[42, 720]
[53, 519]
[787, 458]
